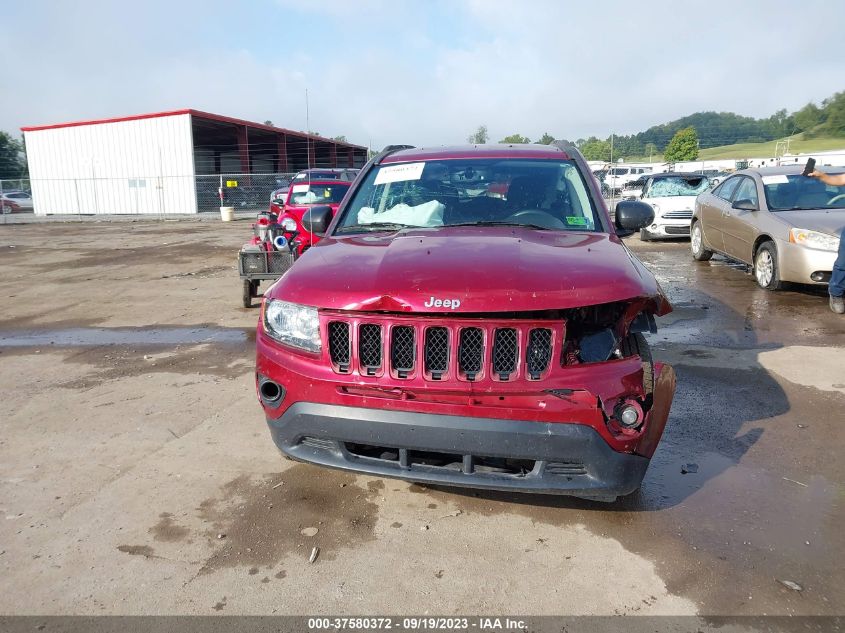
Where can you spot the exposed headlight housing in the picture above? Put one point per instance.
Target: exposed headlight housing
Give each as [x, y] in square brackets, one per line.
[629, 414]
[292, 324]
[288, 224]
[814, 239]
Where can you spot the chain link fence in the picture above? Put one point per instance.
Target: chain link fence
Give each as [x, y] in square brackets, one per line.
[242, 191]
[142, 195]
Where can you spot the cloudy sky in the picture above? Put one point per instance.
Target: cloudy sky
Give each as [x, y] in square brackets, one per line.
[419, 72]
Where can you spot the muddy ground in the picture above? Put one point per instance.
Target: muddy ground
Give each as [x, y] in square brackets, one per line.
[137, 475]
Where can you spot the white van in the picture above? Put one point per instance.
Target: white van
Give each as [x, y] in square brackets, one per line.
[618, 176]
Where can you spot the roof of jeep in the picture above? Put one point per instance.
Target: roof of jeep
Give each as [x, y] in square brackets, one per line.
[477, 151]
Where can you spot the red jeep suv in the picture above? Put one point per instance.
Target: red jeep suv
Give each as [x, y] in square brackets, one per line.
[470, 317]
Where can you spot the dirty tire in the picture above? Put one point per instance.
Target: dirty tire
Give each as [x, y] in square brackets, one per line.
[247, 293]
[766, 271]
[699, 252]
[636, 345]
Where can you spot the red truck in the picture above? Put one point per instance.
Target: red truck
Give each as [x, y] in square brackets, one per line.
[301, 197]
[470, 317]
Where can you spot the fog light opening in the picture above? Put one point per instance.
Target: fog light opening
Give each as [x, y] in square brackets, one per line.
[818, 276]
[629, 414]
[270, 392]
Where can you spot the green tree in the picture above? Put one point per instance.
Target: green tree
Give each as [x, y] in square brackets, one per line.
[480, 136]
[340, 139]
[808, 117]
[268, 122]
[515, 139]
[834, 111]
[780, 124]
[650, 150]
[594, 149]
[12, 161]
[683, 146]
[546, 139]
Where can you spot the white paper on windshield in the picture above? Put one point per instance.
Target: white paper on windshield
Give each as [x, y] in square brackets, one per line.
[775, 180]
[300, 188]
[427, 214]
[399, 173]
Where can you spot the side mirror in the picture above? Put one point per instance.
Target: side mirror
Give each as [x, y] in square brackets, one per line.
[745, 205]
[631, 216]
[317, 219]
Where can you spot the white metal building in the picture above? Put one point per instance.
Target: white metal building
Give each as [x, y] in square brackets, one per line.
[167, 162]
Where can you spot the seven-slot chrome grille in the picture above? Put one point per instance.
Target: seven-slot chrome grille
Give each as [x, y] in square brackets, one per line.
[440, 349]
[677, 215]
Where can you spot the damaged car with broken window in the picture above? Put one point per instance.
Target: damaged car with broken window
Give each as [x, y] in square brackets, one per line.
[470, 317]
[672, 197]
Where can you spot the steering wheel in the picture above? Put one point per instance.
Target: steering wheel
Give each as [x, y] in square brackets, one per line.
[538, 218]
[835, 198]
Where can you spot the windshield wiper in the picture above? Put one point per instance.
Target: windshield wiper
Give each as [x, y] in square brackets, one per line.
[527, 225]
[373, 226]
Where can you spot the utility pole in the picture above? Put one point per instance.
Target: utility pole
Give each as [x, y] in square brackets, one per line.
[307, 129]
[613, 176]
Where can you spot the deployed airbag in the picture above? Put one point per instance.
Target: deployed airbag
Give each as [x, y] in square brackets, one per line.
[427, 214]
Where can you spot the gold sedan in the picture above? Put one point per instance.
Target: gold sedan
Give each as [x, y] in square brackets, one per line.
[787, 226]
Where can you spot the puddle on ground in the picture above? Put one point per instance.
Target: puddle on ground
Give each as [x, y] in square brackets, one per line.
[96, 337]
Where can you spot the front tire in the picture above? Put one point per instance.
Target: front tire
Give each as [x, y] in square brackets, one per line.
[699, 252]
[766, 271]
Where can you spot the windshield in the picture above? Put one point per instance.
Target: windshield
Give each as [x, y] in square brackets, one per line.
[788, 192]
[539, 193]
[317, 194]
[677, 186]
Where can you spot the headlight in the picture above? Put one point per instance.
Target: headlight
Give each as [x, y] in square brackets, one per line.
[288, 224]
[814, 239]
[292, 324]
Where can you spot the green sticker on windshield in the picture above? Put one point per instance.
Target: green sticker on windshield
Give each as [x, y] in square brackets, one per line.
[576, 220]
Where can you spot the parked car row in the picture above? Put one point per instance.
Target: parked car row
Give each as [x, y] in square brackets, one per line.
[784, 225]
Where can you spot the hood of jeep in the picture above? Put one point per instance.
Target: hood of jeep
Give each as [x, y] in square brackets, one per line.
[468, 270]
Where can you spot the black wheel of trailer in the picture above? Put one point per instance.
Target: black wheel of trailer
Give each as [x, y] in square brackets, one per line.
[248, 292]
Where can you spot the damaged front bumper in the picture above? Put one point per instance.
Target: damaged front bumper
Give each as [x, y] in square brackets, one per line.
[475, 452]
[459, 451]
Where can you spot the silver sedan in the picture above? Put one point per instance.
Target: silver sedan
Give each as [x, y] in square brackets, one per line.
[787, 226]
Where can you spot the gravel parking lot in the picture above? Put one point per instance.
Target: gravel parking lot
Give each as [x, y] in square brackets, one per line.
[137, 475]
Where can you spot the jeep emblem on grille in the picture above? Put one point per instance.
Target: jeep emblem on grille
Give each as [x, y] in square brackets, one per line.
[443, 303]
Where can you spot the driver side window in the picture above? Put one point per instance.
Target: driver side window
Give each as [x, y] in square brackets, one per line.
[747, 190]
[726, 189]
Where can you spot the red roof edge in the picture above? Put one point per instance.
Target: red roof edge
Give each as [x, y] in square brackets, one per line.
[136, 117]
[197, 113]
[272, 128]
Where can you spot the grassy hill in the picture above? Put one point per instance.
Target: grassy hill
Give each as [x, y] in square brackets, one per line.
[797, 145]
